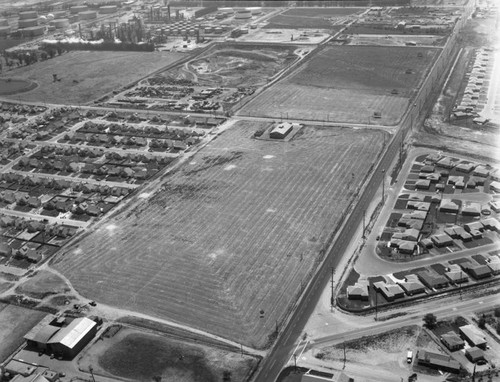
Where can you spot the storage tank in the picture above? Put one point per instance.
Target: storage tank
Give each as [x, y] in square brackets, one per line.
[209, 30]
[50, 16]
[26, 23]
[78, 8]
[255, 10]
[34, 31]
[218, 30]
[60, 23]
[227, 11]
[59, 14]
[4, 23]
[42, 19]
[4, 30]
[175, 31]
[51, 28]
[243, 14]
[28, 15]
[183, 32]
[191, 32]
[87, 15]
[106, 9]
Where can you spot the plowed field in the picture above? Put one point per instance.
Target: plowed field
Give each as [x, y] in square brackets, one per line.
[348, 84]
[234, 231]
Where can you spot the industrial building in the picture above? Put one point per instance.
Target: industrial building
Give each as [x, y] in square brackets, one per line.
[53, 336]
[473, 336]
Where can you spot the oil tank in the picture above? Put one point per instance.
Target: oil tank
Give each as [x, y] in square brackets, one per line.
[243, 14]
[28, 15]
[87, 15]
[218, 30]
[78, 8]
[34, 31]
[26, 23]
[4, 30]
[59, 14]
[106, 9]
[4, 23]
[209, 30]
[60, 23]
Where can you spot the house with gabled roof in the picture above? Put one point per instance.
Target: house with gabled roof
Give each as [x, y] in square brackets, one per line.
[448, 205]
[389, 291]
[452, 341]
[432, 281]
[357, 291]
[441, 240]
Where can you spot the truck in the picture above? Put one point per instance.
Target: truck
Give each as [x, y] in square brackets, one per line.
[409, 356]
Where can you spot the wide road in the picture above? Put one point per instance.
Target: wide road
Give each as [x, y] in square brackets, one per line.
[278, 357]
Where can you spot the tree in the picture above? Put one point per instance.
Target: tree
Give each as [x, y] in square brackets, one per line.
[482, 322]
[497, 312]
[430, 321]
[498, 327]
[226, 375]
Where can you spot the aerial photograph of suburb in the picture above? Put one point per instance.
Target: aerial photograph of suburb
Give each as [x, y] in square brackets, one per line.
[249, 190]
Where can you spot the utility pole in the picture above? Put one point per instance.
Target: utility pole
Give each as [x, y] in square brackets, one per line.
[383, 187]
[364, 226]
[344, 356]
[376, 305]
[331, 298]
[91, 369]
[295, 361]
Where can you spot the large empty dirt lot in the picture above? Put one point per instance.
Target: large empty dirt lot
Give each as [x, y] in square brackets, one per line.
[234, 231]
[322, 18]
[235, 65]
[86, 76]
[349, 84]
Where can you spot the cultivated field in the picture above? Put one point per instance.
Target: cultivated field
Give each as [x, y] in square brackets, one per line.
[15, 322]
[86, 76]
[137, 356]
[235, 66]
[322, 18]
[234, 231]
[348, 84]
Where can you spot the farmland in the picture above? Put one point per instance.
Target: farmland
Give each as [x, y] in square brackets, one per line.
[237, 229]
[348, 84]
[86, 76]
[322, 18]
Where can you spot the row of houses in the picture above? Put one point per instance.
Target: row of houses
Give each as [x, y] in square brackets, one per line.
[33, 255]
[421, 282]
[470, 231]
[449, 163]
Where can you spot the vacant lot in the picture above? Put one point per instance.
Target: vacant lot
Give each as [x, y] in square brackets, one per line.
[138, 356]
[235, 65]
[234, 231]
[349, 84]
[43, 284]
[322, 18]
[15, 322]
[86, 76]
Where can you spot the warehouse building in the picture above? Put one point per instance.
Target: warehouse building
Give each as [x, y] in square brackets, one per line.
[281, 130]
[53, 336]
[473, 336]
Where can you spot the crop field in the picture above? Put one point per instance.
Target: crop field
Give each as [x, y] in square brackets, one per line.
[86, 76]
[139, 356]
[322, 18]
[236, 230]
[348, 84]
[235, 66]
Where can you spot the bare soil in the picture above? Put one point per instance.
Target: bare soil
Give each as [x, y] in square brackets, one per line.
[43, 284]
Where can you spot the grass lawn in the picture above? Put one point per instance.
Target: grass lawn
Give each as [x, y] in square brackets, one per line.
[86, 76]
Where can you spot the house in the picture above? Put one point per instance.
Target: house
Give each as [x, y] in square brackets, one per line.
[438, 361]
[281, 130]
[411, 234]
[465, 167]
[357, 292]
[491, 224]
[5, 250]
[479, 272]
[456, 276]
[93, 210]
[407, 247]
[474, 354]
[452, 341]
[441, 240]
[34, 202]
[495, 267]
[449, 206]
[432, 281]
[462, 234]
[447, 162]
[6, 221]
[417, 205]
[471, 209]
[412, 286]
[473, 336]
[427, 169]
[422, 184]
[495, 205]
[474, 226]
[30, 254]
[389, 291]
[425, 243]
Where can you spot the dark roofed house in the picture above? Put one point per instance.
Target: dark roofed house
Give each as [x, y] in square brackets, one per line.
[474, 354]
[93, 210]
[432, 281]
[452, 341]
[422, 184]
[479, 272]
[441, 240]
[389, 291]
[5, 250]
[412, 287]
[437, 361]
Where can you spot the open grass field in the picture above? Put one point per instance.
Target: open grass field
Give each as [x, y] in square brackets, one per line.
[86, 76]
[42, 284]
[15, 322]
[235, 65]
[322, 18]
[137, 356]
[234, 231]
[348, 84]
